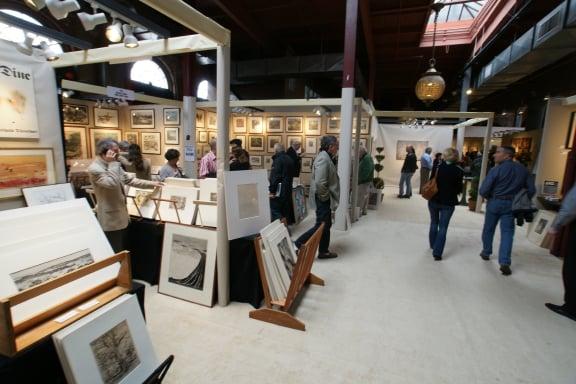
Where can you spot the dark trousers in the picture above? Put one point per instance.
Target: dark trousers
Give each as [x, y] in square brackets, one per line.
[117, 239]
[277, 208]
[323, 215]
[569, 272]
[440, 216]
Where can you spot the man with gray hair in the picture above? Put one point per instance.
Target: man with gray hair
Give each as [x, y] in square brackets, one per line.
[208, 166]
[325, 193]
[426, 165]
[365, 178]
[108, 180]
[280, 188]
[295, 156]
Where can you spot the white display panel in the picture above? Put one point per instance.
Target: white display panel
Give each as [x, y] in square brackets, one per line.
[184, 198]
[18, 102]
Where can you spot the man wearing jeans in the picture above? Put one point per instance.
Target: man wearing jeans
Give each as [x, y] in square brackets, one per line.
[500, 187]
[325, 192]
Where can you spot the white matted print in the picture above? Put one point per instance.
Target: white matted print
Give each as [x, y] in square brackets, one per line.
[150, 143]
[172, 135]
[311, 145]
[333, 125]
[211, 120]
[106, 118]
[183, 198]
[247, 202]
[188, 263]
[200, 118]
[131, 137]
[142, 118]
[294, 124]
[171, 116]
[75, 143]
[268, 162]
[540, 226]
[255, 124]
[275, 125]
[307, 164]
[256, 161]
[18, 106]
[139, 202]
[110, 345]
[256, 143]
[239, 124]
[313, 125]
[48, 194]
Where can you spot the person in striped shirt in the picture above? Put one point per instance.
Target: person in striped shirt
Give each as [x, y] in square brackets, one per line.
[208, 163]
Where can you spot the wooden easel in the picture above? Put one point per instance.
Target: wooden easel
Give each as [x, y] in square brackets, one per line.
[279, 312]
[15, 338]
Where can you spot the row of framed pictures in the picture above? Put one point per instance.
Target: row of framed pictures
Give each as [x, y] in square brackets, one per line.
[265, 161]
[74, 114]
[291, 124]
[259, 143]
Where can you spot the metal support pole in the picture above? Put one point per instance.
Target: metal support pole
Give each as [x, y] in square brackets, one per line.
[223, 114]
[484, 161]
[189, 137]
[356, 163]
[463, 108]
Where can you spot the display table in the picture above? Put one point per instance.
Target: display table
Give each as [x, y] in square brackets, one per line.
[245, 284]
[40, 364]
[145, 239]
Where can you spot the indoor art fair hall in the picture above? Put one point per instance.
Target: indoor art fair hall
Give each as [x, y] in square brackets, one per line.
[287, 191]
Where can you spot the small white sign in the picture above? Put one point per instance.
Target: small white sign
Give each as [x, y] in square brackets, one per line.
[189, 153]
[65, 317]
[120, 93]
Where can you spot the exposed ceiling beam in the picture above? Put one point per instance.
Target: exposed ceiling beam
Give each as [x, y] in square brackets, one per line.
[244, 20]
[369, 38]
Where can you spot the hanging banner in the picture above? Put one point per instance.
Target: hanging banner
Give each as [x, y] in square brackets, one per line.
[120, 93]
[17, 103]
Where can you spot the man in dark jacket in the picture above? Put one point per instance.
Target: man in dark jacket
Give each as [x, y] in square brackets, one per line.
[365, 178]
[280, 183]
[296, 158]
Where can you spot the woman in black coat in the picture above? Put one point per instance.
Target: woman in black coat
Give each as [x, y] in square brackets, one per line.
[410, 166]
[449, 177]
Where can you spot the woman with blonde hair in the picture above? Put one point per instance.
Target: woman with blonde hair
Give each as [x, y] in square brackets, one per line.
[449, 178]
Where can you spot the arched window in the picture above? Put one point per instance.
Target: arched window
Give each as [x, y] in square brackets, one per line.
[202, 91]
[18, 35]
[150, 73]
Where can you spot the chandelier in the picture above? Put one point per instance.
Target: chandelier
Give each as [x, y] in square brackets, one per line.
[430, 87]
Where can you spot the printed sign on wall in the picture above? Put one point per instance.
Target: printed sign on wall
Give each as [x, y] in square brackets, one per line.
[17, 103]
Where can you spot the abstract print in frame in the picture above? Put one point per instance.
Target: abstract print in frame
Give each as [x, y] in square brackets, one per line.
[75, 143]
[188, 263]
[25, 167]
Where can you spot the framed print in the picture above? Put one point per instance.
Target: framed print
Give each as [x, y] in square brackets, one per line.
[150, 143]
[247, 202]
[364, 126]
[142, 118]
[208, 214]
[202, 137]
[239, 124]
[256, 143]
[75, 114]
[242, 138]
[540, 226]
[307, 164]
[200, 118]
[211, 122]
[131, 137]
[183, 198]
[172, 135]
[292, 139]
[311, 145]
[333, 125]
[571, 132]
[110, 345]
[106, 118]
[99, 134]
[276, 269]
[188, 263]
[294, 125]
[313, 125]
[299, 204]
[275, 125]
[139, 202]
[48, 194]
[272, 140]
[256, 161]
[75, 143]
[268, 162]
[255, 124]
[171, 116]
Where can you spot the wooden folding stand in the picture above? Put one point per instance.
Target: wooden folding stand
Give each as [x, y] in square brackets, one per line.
[15, 338]
[281, 312]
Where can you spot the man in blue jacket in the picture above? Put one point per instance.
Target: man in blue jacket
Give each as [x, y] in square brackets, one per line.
[500, 187]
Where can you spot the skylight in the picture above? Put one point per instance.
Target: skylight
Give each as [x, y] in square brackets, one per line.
[456, 10]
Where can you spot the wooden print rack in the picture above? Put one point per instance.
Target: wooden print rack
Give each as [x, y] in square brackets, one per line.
[14, 338]
[281, 312]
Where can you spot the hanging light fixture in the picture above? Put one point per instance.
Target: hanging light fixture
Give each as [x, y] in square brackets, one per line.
[91, 21]
[130, 41]
[26, 47]
[114, 32]
[50, 52]
[61, 8]
[35, 4]
[431, 85]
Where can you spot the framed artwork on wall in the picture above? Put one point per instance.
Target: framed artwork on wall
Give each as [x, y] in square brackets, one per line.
[212, 121]
[131, 137]
[294, 124]
[75, 143]
[267, 162]
[292, 139]
[172, 135]
[106, 118]
[255, 124]
[171, 116]
[202, 137]
[256, 143]
[75, 114]
[200, 118]
[142, 118]
[150, 143]
[99, 134]
[275, 125]
[364, 126]
[272, 140]
[256, 161]
[48, 194]
[311, 146]
[28, 167]
[239, 124]
[333, 126]
[188, 263]
[307, 164]
[313, 125]
[419, 147]
[241, 138]
[571, 132]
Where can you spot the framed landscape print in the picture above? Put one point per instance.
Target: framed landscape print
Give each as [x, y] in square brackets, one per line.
[142, 118]
[202, 137]
[211, 122]
[106, 118]
[22, 168]
[98, 134]
[150, 143]
[272, 140]
[200, 118]
[275, 125]
[75, 143]
[256, 143]
[131, 137]
[255, 124]
[333, 125]
[292, 139]
[256, 161]
[75, 114]
[48, 194]
[313, 125]
[307, 164]
[311, 145]
[239, 124]
[172, 135]
[294, 125]
[188, 263]
[171, 116]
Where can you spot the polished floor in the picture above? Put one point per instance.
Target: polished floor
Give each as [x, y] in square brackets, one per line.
[388, 314]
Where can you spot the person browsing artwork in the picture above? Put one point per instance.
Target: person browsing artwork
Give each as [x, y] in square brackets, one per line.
[408, 169]
[137, 164]
[208, 166]
[280, 188]
[171, 168]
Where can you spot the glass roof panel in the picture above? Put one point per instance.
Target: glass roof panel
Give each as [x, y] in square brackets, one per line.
[459, 11]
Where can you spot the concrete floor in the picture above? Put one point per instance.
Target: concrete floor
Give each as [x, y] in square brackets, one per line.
[389, 313]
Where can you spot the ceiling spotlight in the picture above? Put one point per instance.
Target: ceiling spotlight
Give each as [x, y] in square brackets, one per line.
[114, 32]
[61, 8]
[67, 94]
[469, 91]
[433, 122]
[130, 41]
[35, 4]
[546, 98]
[50, 51]
[89, 22]
[26, 47]
[503, 113]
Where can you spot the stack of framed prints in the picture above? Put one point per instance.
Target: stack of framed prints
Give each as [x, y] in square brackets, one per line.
[48, 194]
[110, 345]
[25, 167]
[188, 263]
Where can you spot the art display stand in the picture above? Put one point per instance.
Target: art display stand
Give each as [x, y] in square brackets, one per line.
[281, 312]
[14, 338]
